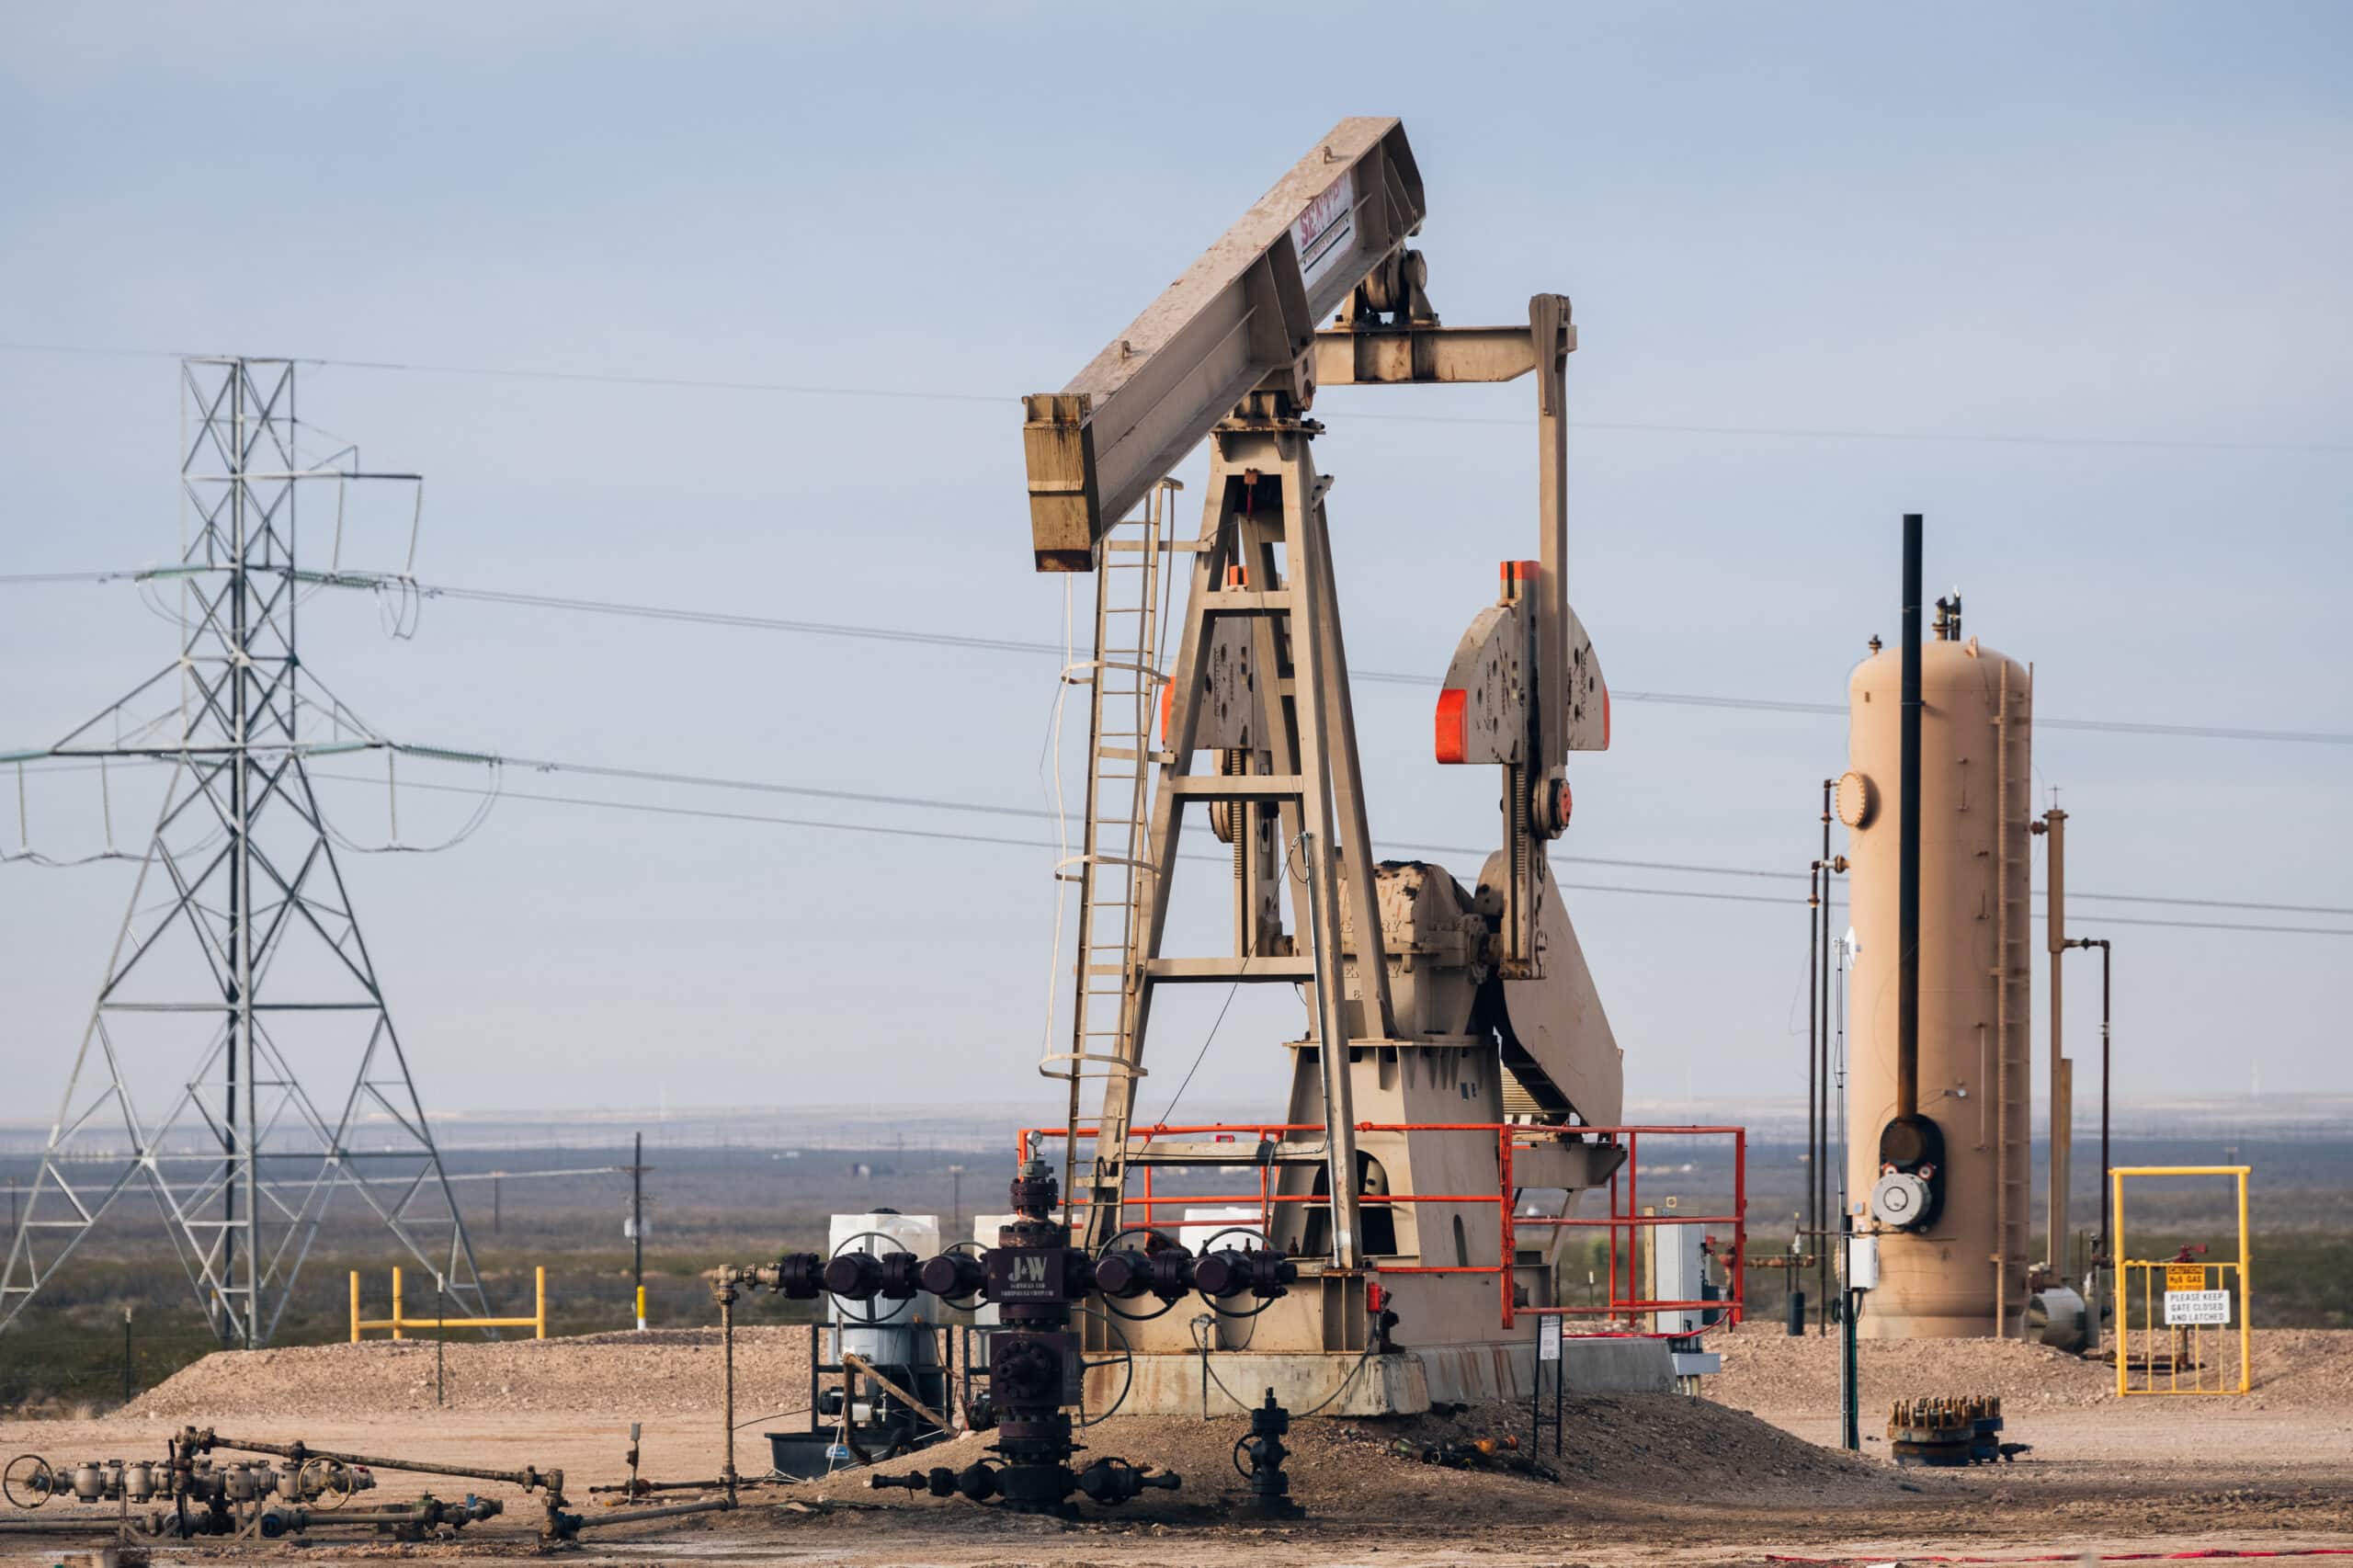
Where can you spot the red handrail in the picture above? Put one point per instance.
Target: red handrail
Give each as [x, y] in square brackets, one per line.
[1628, 1304]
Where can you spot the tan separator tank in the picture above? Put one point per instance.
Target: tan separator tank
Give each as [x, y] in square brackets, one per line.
[1964, 1273]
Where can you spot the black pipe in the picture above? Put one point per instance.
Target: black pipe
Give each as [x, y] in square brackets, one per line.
[1822, 1048]
[1812, 1088]
[1907, 887]
[2106, 1182]
[1850, 1301]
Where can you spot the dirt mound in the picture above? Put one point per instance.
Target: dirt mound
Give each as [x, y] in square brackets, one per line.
[1619, 1452]
[663, 1371]
[1766, 1371]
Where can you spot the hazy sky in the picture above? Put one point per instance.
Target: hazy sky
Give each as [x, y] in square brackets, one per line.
[2129, 225]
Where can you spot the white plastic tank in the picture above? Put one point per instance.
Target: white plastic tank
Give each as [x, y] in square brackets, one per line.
[1204, 1222]
[884, 1331]
[985, 1230]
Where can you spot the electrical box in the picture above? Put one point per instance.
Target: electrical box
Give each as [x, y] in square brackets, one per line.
[1861, 1270]
[1679, 1274]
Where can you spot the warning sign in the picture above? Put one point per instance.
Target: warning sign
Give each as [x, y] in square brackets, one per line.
[2197, 1308]
[2185, 1277]
[1548, 1339]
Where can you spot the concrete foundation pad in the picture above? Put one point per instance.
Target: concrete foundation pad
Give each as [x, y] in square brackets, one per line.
[1406, 1383]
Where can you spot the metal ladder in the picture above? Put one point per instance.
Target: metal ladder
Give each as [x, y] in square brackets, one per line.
[1114, 867]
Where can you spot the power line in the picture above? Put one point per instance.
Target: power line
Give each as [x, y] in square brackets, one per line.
[16, 578]
[707, 813]
[1039, 814]
[1015, 645]
[922, 803]
[1012, 645]
[803, 388]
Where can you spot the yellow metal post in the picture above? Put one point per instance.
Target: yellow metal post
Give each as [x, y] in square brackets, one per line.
[396, 1303]
[540, 1315]
[2121, 1276]
[2246, 1295]
[641, 1309]
[355, 1306]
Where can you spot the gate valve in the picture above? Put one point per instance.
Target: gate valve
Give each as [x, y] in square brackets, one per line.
[856, 1275]
[902, 1275]
[1234, 1272]
[799, 1275]
[1270, 1487]
[1113, 1481]
[954, 1275]
[1131, 1272]
[976, 1481]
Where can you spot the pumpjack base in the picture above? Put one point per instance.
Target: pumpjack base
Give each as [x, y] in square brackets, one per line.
[1407, 1382]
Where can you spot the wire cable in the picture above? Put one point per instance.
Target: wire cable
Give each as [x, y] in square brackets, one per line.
[387, 585]
[1169, 1113]
[1007, 401]
[925, 803]
[1201, 1343]
[1708, 895]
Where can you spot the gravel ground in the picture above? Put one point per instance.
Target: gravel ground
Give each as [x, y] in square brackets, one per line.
[1648, 1481]
[1768, 1371]
[661, 1372]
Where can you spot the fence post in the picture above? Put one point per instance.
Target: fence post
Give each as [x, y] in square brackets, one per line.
[1503, 1225]
[2124, 1296]
[396, 1303]
[355, 1306]
[1739, 1273]
[540, 1312]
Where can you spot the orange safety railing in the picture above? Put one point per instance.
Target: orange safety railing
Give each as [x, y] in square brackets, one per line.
[1624, 1223]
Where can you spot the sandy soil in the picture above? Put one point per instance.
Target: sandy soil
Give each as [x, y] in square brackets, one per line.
[1654, 1479]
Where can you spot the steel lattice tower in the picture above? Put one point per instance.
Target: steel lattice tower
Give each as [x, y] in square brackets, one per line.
[241, 925]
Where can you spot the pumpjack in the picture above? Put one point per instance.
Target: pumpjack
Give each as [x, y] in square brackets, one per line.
[1433, 1008]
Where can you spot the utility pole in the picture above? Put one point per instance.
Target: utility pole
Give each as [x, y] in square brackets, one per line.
[637, 1223]
[240, 944]
[1809, 1224]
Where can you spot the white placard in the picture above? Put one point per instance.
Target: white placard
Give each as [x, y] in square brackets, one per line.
[1323, 233]
[2185, 1309]
[1548, 1339]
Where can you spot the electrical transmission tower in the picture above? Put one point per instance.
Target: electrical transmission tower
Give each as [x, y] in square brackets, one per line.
[240, 970]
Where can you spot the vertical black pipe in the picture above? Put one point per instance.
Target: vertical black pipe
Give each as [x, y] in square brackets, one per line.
[1850, 1301]
[637, 1219]
[1908, 886]
[1821, 1154]
[2107, 1182]
[1813, 1240]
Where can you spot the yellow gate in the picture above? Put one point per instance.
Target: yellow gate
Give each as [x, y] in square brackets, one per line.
[2176, 1318]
